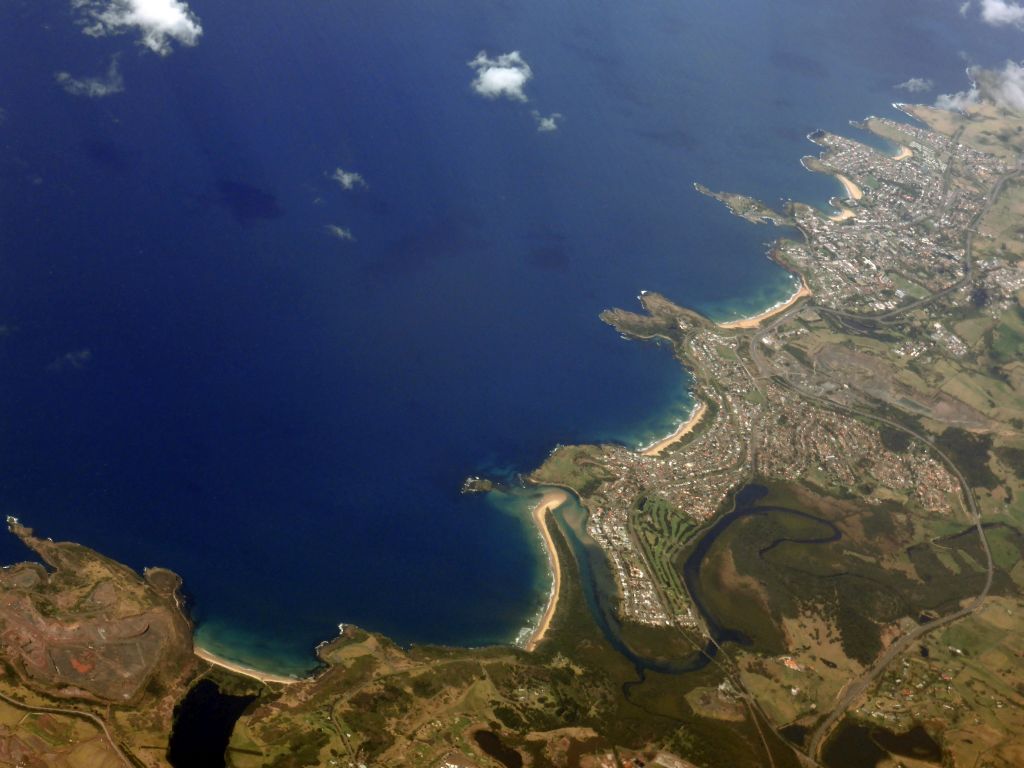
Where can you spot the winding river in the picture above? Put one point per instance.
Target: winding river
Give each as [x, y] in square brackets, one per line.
[599, 590]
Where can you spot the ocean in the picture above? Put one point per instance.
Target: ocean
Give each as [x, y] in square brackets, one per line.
[218, 359]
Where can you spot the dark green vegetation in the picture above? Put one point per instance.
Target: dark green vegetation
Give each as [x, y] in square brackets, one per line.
[970, 452]
[855, 745]
[735, 575]
[895, 439]
[774, 565]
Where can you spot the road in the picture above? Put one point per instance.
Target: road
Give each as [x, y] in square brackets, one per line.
[894, 315]
[854, 690]
[95, 719]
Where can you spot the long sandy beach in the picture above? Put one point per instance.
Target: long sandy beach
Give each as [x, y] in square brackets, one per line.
[682, 431]
[241, 669]
[551, 500]
[756, 320]
[852, 190]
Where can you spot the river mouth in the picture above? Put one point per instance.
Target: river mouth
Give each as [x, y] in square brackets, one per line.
[599, 594]
[599, 585]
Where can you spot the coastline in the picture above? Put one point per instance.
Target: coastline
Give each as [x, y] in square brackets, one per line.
[844, 214]
[754, 321]
[905, 153]
[681, 431]
[852, 190]
[550, 501]
[241, 669]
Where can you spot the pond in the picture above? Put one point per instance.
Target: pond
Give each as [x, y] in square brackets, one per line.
[861, 745]
[203, 722]
[491, 743]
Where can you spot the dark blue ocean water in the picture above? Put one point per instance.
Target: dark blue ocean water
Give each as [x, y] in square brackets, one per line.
[195, 374]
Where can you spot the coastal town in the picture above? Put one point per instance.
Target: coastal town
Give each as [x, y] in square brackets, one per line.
[512, 384]
[870, 599]
[778, 397]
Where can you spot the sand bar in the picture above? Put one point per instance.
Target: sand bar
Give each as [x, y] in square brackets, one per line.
[241, 669]
[682, 431]
[550, 501]
[905, 153]
[782, 306]
[852, 190]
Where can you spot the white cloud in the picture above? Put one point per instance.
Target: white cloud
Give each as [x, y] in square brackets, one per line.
[348, 179]
[339, 232]
[958, 101]
[72, 361]
[547, 124]
[1002, 87]
[94, 87]
[158, 21]
[916, 85]
[1000, 13]
[965, 7]
[506, 75]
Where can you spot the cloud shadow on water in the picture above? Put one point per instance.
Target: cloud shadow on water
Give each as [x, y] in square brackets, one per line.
[248, 203]
[107, 154]
[673, 138]
[454, 234]
[550, 253]
[798, 64]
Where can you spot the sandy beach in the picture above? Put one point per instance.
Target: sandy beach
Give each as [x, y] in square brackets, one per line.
[551, 500]
[843, 215]
[683, 430]
[241, 669]
[756, 320]
[852, 190]
[905, 153]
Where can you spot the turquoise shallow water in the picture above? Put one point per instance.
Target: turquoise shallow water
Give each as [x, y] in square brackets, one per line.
[197, 374]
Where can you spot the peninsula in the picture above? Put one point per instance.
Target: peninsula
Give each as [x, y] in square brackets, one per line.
[551, 501]
[879, 424]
